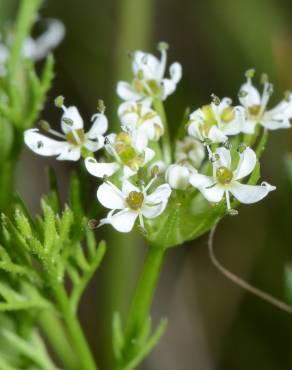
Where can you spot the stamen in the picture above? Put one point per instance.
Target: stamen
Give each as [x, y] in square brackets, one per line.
[249, 74]
[46, 127]
[150, 183]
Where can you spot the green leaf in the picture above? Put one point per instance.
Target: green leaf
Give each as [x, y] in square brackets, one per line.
[118, 336]
[147, 348]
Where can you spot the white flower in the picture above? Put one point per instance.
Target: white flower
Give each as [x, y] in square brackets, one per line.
[35, 49]
[191, 150]
[149, 81]
[131, 203]
[225, 180]
[140, 117]
[215, 122]
[74, 139]
[178, 176]
[256, 108]
[129, 153]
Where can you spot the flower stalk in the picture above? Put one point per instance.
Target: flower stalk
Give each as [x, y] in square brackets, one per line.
[166, 143]
[143, 296]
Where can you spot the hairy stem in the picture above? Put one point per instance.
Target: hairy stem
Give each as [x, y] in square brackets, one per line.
[166, 143]
[241, 282]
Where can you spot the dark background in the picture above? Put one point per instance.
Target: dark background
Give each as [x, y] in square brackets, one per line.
[212, 323]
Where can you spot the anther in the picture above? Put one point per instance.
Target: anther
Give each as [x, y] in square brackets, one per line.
[215, 99]
[162, 46]
[101, 106]
[232, 212]
[93, 224]
[45, 125]
[250, 73]
[59, 101]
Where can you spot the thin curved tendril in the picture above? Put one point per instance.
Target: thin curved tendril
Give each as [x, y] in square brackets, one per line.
[241, 282]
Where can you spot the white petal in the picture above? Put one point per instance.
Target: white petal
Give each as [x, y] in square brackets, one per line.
[72, 114]
[128, 187]
[169, 87]
[126, 91]
[47, 41]
[275, 124]
[246, 165]
[43, 145]
[211, 191]
[93, 146]
[198, 180]
[224, 157]
[70, 153]
[149, 155]
[194, 130]
[139, 140]
[153, 211]
[248, 126]
[99, 126]
[213, 194]
[160, 194]
[148, 64]
[124, 220]
[216, 135]
[251, 95]
[248, 194]
[110, 196]
[100, 169]
[175, 72]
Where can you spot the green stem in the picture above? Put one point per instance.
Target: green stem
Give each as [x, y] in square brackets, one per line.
[25, 19]
[54, 332]
[74, 329]
[145, 290]
[166, 143]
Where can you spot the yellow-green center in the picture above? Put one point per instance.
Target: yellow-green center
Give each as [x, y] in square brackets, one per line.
[135, 200]
[147, 87]
[224, 175]
[254, 110]
[227, 115]
[77, 137]
[127, 153]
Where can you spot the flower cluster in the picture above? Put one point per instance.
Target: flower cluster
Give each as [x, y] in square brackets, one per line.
[214, 154]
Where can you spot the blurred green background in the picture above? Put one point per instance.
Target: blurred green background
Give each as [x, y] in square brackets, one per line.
[212, 324]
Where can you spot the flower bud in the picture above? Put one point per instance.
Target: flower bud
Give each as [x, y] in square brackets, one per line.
[177, 176]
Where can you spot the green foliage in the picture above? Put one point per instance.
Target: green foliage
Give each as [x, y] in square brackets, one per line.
[22, 97]
[130, 353]
[38, 256]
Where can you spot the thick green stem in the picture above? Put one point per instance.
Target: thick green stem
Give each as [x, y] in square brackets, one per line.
[54, 332]
[74, 329]
[145, 290]
[166, 143]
